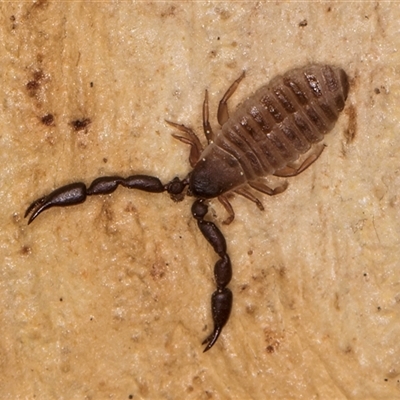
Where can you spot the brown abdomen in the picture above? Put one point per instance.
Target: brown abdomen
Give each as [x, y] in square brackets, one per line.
[284, 118]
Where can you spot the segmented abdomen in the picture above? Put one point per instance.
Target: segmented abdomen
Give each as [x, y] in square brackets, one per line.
[282, 119]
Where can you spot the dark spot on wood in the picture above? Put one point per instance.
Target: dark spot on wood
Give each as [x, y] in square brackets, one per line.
[38, 75]
[336, 302]
[223, 13]
[91, 84]
[348, 350]
[170, 11]
[48, 120]
[270, 349]
[377, 91]
[250, 309]
[303, 23]
[329, 9]
[273, 340]
[13, 25]
[105, 160]
[351, 131]
[61, 299]
[157, 271]
[80, 124]
[25, 250]
[32, 86]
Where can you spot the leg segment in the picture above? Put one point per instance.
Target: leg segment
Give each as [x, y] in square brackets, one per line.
[229, 209]
[208, 132]
[76, 193]
[250, 196]
[221, 299]
[293, 171]
[191, 139]
[223, 114]
[263, 188]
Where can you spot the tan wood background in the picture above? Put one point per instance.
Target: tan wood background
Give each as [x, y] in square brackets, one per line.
[111, 299]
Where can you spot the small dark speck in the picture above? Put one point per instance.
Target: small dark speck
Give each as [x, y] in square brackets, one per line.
[270, 349]
[38, 75]
[61, 299]
[303, 23]
[377, 91]
[48, 119]
[365, 274]
[105, 160]
[13, 19]
[169, 12]
[218, 38]
[80, 124]
[25, 250]
[379, 309]
[91, 84]
[329, 9]
[386, 379]
[32, 85]
[130, 396]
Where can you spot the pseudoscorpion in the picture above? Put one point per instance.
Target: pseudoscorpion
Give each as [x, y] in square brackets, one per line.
[267, 133]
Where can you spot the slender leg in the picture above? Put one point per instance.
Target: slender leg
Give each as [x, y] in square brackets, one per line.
[208, 132]
[293, 171]
[248, 195]
[195, 146]
[263, 188]
[229, 209]
[221, 299]
[223, 113]
[76, 193]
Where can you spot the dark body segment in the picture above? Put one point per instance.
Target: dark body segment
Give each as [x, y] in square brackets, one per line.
[283, 119]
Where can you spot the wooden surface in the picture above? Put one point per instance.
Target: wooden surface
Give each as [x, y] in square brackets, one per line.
[111, 299]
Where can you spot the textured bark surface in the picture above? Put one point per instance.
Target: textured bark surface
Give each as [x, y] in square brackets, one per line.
[111, 298]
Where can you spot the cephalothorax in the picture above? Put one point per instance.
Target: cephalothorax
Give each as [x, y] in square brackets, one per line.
[267, 133]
